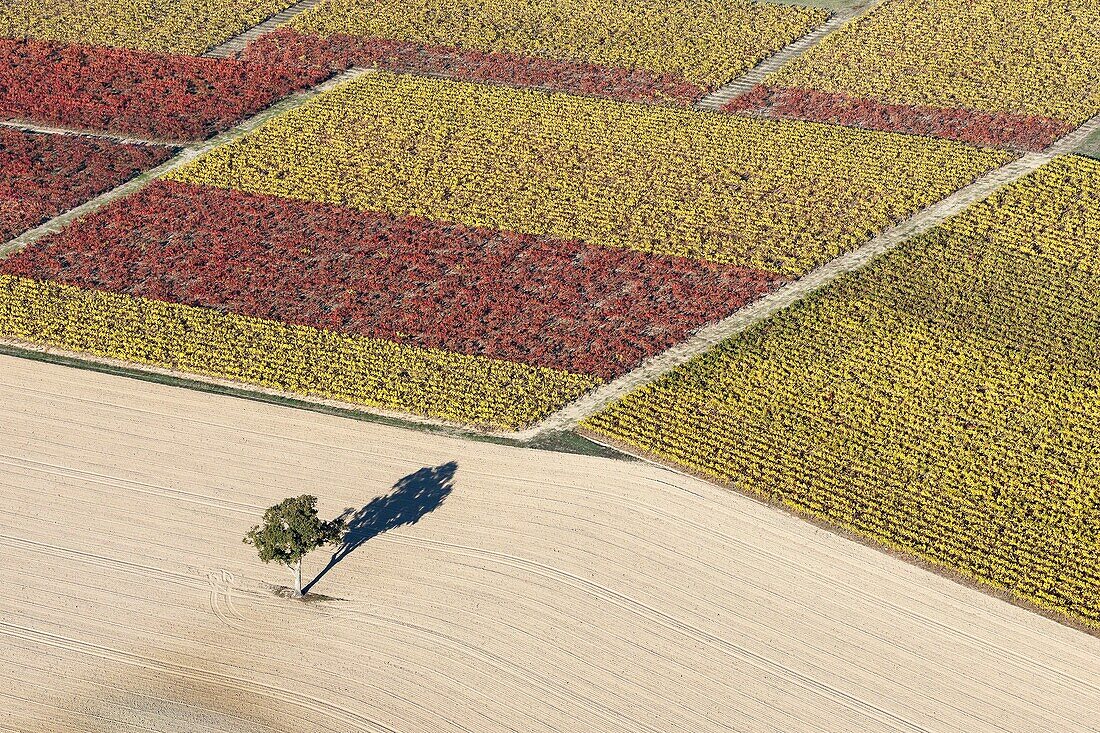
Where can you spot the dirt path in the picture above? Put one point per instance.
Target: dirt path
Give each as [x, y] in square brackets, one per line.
[48, 130]
[515, 590]
[727, 93]
[236, 44]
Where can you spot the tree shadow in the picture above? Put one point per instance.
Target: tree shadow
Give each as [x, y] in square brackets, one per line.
[412, 497]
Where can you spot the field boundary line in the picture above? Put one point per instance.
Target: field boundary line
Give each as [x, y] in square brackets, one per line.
[710, 336]
[80, 132]
[243, 390]
[723, 95]
[839, 530]
[237, 43]
[186, 154]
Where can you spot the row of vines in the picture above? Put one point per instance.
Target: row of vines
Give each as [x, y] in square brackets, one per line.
[775, 196]
[677, 47]
[1019, 74]
[159, 96]
[538, 301]
[166, 26]
[944, 401]
[43, 175]
[473, 390]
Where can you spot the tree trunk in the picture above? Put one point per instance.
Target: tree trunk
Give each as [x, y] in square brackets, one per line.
[297, 570]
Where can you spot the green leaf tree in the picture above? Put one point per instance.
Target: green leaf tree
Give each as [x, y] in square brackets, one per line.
[290, 531]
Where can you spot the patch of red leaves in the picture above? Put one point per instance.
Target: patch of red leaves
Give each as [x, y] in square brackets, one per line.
[536, 300]
[1017, 132]
[44, 175]
[340, 52]
[158, 96]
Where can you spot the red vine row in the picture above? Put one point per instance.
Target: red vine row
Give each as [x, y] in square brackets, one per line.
[1020, 132]
[540, 301]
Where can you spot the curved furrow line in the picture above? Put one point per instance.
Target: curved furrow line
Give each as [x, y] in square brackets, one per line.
[600, 712]
[338, 713]
[760, 623]
[53, 469]
[677, 582]
[62, 687]
[465, 649]
[561, 630]
[70, 425]
[607, 594]
[186, 523]
[139, 569]
[788, 561]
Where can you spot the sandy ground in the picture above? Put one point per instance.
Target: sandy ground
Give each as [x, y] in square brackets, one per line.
[495, 589]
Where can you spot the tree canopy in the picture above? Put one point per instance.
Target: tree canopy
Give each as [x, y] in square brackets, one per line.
[291, 530]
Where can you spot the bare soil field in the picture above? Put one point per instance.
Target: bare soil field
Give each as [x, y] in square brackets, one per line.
[485, 589]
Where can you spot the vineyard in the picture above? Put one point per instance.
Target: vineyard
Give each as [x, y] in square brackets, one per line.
[1018, 74]
[654, 179]
[476, 390]
[44, 175]
[943, 401]
[134, 68]
[522, 232]
[650, 49]
[590, 313]
[166, 26]
[838, 257]
[159, 96]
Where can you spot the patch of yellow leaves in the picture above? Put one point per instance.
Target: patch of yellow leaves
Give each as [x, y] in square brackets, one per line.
[473, 390]
[944, 401]
[1026, 57]
[774, 195]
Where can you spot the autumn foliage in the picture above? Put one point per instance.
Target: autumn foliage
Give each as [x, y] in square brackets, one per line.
[44, 175]
[291, 49]
[643, 49]
[165, 26]
[998, 129]
[1017, 74]
[771, 195]
[153, 95]
[539, 301]
[944, 401]
[296, 359]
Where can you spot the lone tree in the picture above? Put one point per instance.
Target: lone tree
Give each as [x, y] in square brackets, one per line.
[290, 531]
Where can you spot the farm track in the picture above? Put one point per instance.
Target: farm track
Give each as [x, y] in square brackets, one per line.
[48, 130]
[547, 592]
[710, 336]
[727, 93]
[235, 45]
